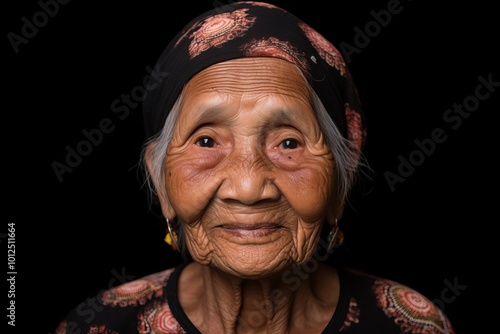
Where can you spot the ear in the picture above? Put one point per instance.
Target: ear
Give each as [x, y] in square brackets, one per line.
[159, 186]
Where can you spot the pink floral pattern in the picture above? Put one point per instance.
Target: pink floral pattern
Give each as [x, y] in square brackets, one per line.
[355, 129]
[216, 30]
[158, 320]
[352, 315]
[325, 49]
[413, 312]
[101, 330]
[273, 47]
[261, 4]
[136, 292]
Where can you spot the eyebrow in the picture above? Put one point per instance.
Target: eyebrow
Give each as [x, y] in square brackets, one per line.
[209, 114]
[279, 118]
[280, 115]
[216, 113]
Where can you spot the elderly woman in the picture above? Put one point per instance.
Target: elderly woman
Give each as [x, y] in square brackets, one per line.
[255, 140]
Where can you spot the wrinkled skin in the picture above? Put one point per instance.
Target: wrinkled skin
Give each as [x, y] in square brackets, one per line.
[250, 179]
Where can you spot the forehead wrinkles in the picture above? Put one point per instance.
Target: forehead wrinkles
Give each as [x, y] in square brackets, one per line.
[251, 76]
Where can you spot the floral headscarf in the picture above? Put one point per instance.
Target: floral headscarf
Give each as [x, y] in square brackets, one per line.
[256, 29]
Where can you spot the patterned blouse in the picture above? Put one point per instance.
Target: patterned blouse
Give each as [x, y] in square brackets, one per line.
[367, 304]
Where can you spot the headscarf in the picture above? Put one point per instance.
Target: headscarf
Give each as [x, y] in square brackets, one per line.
[256, 29]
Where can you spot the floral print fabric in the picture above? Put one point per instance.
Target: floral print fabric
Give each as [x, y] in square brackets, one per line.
[367, 304]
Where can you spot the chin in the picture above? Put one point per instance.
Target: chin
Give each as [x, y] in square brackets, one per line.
[254, 266]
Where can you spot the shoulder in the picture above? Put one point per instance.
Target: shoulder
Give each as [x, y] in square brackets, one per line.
[377, 299]
[138, 291]
[122, 309]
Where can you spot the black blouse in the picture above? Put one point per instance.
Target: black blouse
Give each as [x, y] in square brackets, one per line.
[367, 304]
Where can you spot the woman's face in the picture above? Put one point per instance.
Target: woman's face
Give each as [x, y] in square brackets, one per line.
[248, 173]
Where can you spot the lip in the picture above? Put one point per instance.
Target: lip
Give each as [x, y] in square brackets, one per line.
[251, 230]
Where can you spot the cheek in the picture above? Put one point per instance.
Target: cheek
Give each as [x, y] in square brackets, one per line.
[305, 178]
[191, 182]
[308, 189]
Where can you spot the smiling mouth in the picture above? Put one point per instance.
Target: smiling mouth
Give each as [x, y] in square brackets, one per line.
[251, 230]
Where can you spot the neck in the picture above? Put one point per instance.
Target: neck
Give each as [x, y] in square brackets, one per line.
[288, 302]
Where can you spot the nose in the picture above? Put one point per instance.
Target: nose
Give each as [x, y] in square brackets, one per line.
[249, 178]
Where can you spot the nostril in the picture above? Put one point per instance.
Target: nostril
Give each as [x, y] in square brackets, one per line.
[249, 187]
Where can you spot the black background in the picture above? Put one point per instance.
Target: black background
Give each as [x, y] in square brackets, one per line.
[94, 228]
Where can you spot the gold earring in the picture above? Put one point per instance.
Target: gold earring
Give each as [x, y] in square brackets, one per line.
[335, 237]
[171, 237]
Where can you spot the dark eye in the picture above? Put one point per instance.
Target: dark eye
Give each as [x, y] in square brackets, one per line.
[206, 142]
[289, 143]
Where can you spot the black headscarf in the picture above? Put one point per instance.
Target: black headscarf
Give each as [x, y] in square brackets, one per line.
[256, 29]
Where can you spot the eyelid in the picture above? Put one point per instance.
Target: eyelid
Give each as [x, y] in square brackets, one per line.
[290, 132]
[197, 128]
[198, 136]
[278, 142]
[203, 130]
